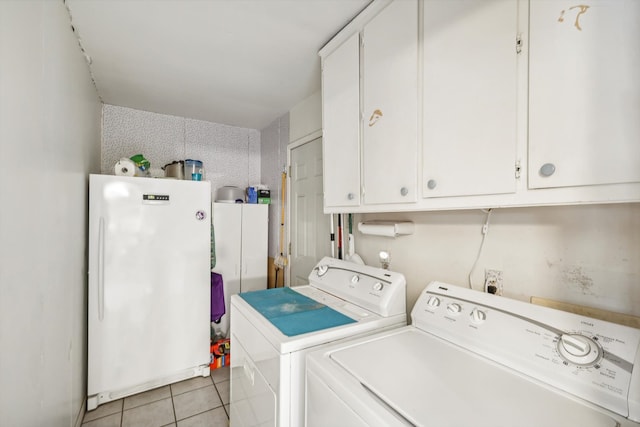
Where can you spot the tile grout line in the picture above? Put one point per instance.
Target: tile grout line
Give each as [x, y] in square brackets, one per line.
[221, 401]
[173, 405]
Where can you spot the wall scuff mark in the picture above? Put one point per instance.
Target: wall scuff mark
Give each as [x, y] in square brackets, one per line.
[576, 277]
[582, 10]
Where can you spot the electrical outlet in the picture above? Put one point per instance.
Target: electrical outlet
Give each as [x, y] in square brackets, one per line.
[493, 281]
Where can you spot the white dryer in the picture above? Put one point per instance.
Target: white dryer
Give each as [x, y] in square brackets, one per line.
[476, 359]
[273, 330]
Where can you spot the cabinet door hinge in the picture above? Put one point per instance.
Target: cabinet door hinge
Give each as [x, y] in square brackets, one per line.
[289, 248]
[519, 43]
[518, 169]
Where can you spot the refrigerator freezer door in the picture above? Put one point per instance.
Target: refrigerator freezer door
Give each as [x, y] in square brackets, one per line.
[149, 281]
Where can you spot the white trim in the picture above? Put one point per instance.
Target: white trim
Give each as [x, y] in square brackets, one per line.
[356, 25]
[301, 141]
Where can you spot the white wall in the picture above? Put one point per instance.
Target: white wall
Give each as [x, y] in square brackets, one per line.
[306, 117]
[49, 143]
[230, 154]
[273, 149]
[587, 255]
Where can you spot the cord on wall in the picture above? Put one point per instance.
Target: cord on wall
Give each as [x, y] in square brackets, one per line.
[485, 230]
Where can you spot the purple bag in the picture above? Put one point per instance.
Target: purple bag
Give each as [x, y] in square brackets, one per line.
[217, 298]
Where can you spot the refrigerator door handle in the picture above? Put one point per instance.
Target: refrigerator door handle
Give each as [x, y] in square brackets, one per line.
[101, 270]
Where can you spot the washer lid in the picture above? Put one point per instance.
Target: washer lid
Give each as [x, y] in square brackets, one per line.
[293, 313]
[428, 381]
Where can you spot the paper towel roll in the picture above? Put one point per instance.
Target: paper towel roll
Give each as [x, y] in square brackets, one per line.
[125, 167]
[386, 228]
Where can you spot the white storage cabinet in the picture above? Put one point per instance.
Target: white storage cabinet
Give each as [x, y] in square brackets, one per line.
[370, 108]
[241, 239]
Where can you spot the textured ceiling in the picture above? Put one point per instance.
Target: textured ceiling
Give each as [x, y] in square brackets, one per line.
[237, 62]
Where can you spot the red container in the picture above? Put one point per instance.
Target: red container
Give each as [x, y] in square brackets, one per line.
[220, 353]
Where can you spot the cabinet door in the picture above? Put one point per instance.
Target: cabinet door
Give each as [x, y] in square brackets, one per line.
[341, 124]
[389, 112]
[255, 229]
[470, 102]
[227, 227]
[584, 117]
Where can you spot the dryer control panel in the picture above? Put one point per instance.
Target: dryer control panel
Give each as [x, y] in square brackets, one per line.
[590, 358]
[380, 291]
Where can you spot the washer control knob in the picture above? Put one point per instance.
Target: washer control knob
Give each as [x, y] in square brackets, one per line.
[355, 279]
[433, 302]
[454, 308]
[322, 270]
[579, 349]
[575, 345]
[378, 286]
[478, 316]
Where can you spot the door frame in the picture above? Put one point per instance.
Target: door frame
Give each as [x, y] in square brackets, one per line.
[291, 146]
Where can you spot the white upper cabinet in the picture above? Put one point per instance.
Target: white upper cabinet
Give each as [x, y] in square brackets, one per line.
[584, 94]
[370, 110]
[390, 104]
[470, 97]
[341, 124]
[464, 104]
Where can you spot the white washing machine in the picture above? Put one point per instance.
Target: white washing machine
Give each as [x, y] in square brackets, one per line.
[273, 330]
[475, 359]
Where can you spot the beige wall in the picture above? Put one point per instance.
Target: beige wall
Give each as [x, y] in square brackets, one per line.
[49, 143]
[587, 255]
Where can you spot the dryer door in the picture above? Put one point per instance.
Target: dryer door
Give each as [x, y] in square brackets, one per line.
[253, 401]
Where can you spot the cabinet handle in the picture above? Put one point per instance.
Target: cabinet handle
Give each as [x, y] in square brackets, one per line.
[431, 184]
[101, 246]
[351, 196]
[375, 117]
[404, 191]
[547, 169]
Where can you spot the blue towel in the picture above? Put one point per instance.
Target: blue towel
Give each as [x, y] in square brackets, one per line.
[293, 313]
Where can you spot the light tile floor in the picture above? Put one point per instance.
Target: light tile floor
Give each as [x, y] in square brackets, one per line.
[201, 401]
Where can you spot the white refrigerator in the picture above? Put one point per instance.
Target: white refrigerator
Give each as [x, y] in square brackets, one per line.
[149, 284]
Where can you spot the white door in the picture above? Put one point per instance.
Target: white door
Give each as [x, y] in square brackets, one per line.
[584, 94]
[255, 228]
[309, 226]
[341, 124]
[227, 226]
[470, 99]
[390, 105]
